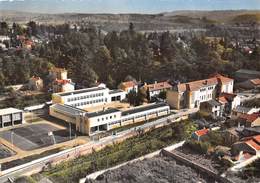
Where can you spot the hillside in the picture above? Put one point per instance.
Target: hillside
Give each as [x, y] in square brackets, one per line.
[245, 18]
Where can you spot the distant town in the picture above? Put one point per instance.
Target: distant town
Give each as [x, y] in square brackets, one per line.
[82, 103]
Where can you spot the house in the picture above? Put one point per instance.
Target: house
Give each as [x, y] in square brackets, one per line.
[11, 117]
[35, 83]
[250, 84]
[249, 120]
[63, 85]
[230, 101]
[128, 86]
[155, 89]
[199, 134]
[249, 145]
[239, 110]
[213, 108]
[244, 74]
[58, 73]
[190, 95]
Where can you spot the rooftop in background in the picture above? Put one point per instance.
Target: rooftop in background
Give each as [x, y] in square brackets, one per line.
[57, 69]
[9, 111]
[158, 86]
[214, 103]
[103, 112]
[143, 108]
[249, 117]
[196, 85]
[255, 81]
[81, 91]
[202, 132]
[246, 71]
[115, 91]
[129, 84]
[68, 109]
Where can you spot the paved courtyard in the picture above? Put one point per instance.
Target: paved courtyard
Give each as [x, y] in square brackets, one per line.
[36, 136]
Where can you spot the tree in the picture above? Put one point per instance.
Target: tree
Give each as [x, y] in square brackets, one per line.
[132, 97]
[88, 76]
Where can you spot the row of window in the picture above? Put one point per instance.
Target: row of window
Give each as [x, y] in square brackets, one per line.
[206, 97]
[88, 102]
[85, 97]
[209, 88]
[106, 118]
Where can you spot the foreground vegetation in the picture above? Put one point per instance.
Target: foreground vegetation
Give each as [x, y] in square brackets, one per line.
[132, 148]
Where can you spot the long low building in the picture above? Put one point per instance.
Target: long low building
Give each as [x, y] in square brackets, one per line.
[10, 117]
[94, 122]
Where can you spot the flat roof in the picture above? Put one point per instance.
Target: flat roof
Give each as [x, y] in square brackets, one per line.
[9, 111]
[115, 91]
[246, 71]
[144, 108]
[68, 109]
[81, 91]
[103, 112]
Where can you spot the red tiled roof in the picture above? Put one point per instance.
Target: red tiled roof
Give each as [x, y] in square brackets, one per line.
[62, 81]
[196, 85]
[159, 86]
[257, 138]
[253, 144]
[222, 100]
[202, 132]
[255, 81]
[249, 117]
[129, 84]
[35, 78]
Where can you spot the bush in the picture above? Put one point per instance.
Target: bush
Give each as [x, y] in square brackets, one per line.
[198, 146]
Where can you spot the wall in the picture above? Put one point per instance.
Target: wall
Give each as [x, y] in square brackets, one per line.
[173, 99]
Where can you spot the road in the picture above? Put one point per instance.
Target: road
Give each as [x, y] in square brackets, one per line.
[39, 164]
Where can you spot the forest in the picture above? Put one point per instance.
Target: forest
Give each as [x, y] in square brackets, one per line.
[91, 56]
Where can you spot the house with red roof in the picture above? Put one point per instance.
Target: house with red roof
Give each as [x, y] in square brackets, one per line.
[63, 85]
[156, 88]
[249, 120]
[199, 134]
[249, 145]
[191, 94]
[128, 86]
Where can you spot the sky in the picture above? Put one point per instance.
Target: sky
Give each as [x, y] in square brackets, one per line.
[124, 6]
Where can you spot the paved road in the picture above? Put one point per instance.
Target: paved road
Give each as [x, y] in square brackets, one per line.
[39, 164]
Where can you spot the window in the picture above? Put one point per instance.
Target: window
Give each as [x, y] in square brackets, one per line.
[98, 119]
[110, 117]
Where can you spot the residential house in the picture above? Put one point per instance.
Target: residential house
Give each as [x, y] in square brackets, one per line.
[244, 74]
[249, 145]
[230, 101]
[155, 89]
[213, 108]
[11, 117]
[199, 134]
[249, 120]
[190, 95]
[239, 110]
[129, 86]
[63, 85]
[231, 136]
[35, 83]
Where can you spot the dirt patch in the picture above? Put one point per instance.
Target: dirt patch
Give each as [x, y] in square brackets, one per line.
[154, 170]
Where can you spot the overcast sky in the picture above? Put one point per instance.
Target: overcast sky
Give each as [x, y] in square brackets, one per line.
[125, 6]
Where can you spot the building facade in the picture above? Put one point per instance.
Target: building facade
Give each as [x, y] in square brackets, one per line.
[91, 123]
[155, 89]
[129, 86]
[11, 117]
[65, 85]
[89, 97]
[190, 95]
[35, 83]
